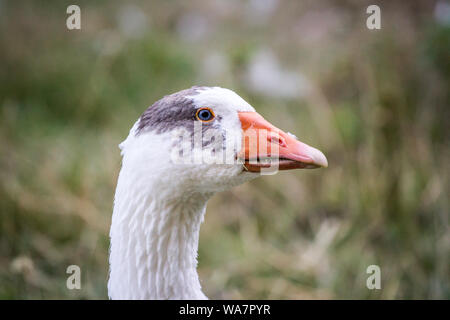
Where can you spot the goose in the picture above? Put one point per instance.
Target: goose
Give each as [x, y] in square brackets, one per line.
[163, 185]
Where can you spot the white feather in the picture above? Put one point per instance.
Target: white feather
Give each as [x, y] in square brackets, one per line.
[159, 206]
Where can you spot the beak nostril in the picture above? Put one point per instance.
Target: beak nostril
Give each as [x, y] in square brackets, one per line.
[277, 140]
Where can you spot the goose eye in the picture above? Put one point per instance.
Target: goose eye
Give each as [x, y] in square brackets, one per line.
[204, 114]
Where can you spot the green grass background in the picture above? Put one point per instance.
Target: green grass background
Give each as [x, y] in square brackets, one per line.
[377, 106]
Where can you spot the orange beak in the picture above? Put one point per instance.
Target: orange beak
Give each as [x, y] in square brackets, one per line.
[264, 145]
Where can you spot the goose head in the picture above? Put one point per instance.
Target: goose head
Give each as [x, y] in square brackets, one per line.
[209, 139]
[183, 149]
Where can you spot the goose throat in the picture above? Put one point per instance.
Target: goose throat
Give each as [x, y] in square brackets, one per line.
[154, 246]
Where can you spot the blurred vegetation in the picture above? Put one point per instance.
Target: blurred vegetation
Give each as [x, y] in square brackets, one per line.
[376, 103]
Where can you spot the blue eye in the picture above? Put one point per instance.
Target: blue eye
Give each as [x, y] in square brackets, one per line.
[204, 114]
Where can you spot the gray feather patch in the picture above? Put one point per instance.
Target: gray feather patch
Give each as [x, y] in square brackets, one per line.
[177, 111]
[172, 111]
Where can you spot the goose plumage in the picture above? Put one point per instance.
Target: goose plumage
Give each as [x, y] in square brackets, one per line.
[183, 149]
